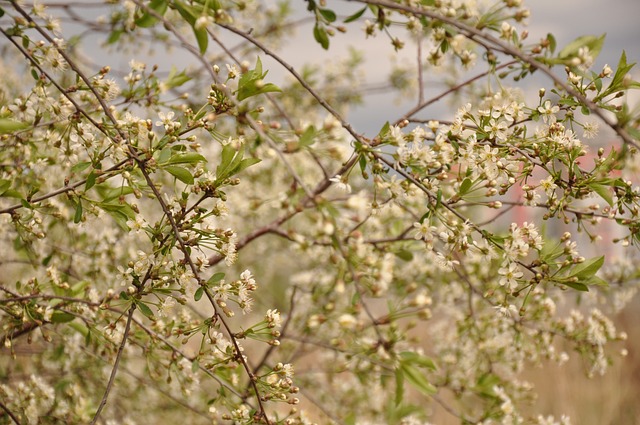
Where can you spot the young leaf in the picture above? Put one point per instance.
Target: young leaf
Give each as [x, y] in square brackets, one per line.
[321, 36]
[4, 185]
[9, 126]
[328, 15]
[199, 293]
[180, 173]
[603, 191]
[148, 19]
[399, 395]
[588, 269]
[217, 277]
[61, 317]
[144, 309]
[417, 379]
[355, 16]
[186, 158]
[77, 218]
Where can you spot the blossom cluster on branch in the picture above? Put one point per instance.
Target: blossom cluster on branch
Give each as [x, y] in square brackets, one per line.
[175, 243]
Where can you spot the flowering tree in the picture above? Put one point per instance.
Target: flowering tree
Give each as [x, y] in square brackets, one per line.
[175, 243]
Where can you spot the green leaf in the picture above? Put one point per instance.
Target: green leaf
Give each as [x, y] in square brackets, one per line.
[321, 36]
[417, 379]
[603, 191]
[144, 309]
[417, 359]
[355, 16]
[9, 126]
[10, 193]
[180, 173]
[121, 213]
[230, 158]
[186, 158]
[404, 255]
[399, 395]
[307, 137]
[252, 83]
[61, 317]
[77, 218]
[244, 164]
[191, 15]
[199, 293]
[147, 19]
[384, 130]
[175, 78]
[91, 181]
[594, 43]
[552, 42]
[217, 277]
[551, 250]
[202, 38]
[4, 185]
[328, 15]
[80, 166]
[576, 285]
[465, 186]
[109, 193]
[588, 268]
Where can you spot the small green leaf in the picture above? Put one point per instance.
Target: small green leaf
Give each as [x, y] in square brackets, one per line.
[417, 359]
[180, 173]
[202, 38]
[195, 366]
[328, 15]
[244, 164]
[175, 78]
[576, 285]
[91, 181]
[307, 137]
[355, 16]
[147, 19]
[186, 158]
[588, 268]
[199, 292]
[399, 395]
[9, 125]
[61, 317]
[552, 42]
[465, 186]
[80, 166]
[384, 130]
[417, 379]
[594, 43]
[144, 309]
[404, 255]
[321, 36]
[77, 218]
[603, 191]
[109, 193]
[124, 296]
[4, 185]
[217, 277]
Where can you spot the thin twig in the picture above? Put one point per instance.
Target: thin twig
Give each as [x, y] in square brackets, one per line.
[9, 412]
[114, 370]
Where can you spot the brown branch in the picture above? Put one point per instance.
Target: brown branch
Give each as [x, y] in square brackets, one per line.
[9, 412]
